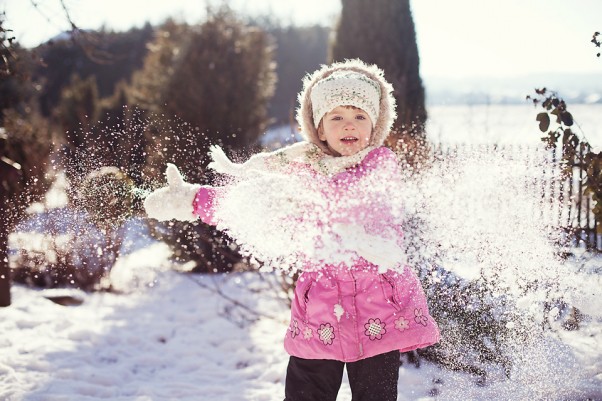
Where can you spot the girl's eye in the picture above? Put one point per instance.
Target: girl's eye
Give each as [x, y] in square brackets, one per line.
[336, 118]
[360, 117]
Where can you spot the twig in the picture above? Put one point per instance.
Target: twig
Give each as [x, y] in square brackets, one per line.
[217, 290]
[282, 287]
[90, 45]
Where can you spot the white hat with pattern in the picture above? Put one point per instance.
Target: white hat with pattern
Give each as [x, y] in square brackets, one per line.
[345, 88]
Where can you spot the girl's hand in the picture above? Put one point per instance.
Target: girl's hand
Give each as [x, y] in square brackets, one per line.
[173, 201]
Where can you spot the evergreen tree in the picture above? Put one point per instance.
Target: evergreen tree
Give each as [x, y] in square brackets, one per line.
[382, 32]
[122, 54]
[78, 107]
[121, 130]
[217, 77]
[299, 51]
[77, 113]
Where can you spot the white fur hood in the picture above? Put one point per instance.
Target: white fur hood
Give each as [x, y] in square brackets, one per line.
[386, 115]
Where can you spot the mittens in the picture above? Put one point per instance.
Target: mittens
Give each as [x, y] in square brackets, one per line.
[173, 201]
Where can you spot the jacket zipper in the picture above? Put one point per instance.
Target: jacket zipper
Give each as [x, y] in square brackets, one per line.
[357, 335]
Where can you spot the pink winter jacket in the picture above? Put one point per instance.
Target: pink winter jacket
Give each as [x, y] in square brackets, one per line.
[348, 313]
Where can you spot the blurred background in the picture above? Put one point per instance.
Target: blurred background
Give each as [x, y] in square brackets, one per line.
[459, 41]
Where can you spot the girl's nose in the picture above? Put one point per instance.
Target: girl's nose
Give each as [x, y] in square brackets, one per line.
[348, 125]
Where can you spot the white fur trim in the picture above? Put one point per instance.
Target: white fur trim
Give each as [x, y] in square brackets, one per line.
[386, 112]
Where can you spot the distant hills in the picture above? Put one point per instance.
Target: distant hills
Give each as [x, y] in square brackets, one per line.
[574, 88]
[299, 50]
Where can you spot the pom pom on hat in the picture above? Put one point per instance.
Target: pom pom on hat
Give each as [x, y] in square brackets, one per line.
[345, 88]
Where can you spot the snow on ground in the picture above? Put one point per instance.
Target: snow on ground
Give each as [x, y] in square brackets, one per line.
[169, 338]
[167, 335]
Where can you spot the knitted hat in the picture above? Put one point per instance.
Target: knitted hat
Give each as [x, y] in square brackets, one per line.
[345, 88]
[348, 75]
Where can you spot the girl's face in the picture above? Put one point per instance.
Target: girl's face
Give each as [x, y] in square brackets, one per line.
[346, 130]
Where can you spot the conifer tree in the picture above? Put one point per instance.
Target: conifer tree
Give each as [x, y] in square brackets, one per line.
[217, 77]
[78, 107]
[300, 50]
[382, 32]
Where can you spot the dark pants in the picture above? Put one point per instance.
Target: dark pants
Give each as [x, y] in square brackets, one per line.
[370, 379]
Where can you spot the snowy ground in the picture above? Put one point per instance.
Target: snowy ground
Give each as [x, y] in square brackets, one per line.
[168, 338]
[167, 335]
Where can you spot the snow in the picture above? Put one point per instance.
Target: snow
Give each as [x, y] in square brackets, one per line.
[504, 124]
[165, 334]
[168, 338]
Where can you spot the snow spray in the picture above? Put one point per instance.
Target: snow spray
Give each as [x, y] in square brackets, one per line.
[478, 231]
[483, 238]
[298, 219]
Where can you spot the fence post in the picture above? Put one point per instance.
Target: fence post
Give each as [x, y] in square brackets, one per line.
[4, 269]
[10, 175]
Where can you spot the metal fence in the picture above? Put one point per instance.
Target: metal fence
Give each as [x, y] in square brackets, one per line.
[564, 206]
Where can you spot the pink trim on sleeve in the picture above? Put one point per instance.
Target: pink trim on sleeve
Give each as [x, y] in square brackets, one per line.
[203, 204]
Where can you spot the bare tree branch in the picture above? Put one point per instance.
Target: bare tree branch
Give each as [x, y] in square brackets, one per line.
[88, 41]
[216, 289]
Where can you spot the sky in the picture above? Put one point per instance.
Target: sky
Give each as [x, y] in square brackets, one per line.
[456, 39]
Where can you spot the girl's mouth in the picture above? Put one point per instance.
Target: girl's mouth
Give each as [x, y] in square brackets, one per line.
[349, 139]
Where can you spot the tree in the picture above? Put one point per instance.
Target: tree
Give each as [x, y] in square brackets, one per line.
[9, 181]
[25, 145]
[15, 70]
[124, 53]
[77, 112]
[27, 139]
[217, 77]
[121, 131]
[299, 51]
[78, 107]
[382, 32]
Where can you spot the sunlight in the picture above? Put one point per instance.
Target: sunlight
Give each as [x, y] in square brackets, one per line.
[460, 38]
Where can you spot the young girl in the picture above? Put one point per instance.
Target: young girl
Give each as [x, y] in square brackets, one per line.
[357, 304]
